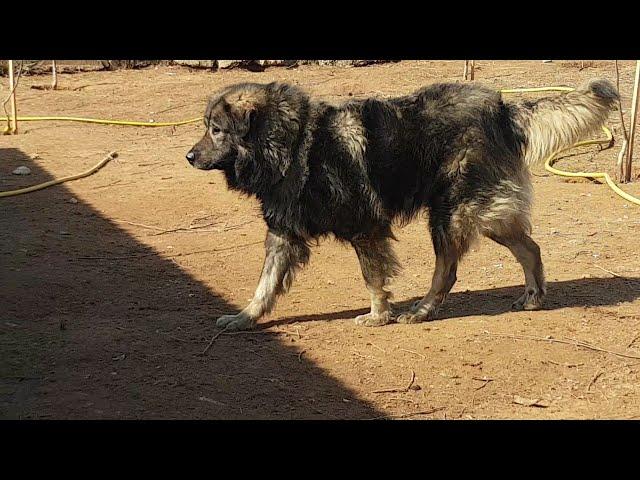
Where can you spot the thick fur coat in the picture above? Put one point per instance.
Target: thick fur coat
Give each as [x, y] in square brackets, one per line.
[458, 151]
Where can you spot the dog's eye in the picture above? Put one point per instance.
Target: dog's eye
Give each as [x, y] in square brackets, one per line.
[215, 130]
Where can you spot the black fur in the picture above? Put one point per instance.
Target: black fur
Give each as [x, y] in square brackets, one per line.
[455, 150]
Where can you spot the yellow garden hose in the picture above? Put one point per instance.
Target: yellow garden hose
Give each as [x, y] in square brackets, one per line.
[548, 163]
[102, 163]
[91, 171]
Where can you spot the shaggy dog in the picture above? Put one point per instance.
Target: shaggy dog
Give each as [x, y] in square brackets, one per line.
[456, 150]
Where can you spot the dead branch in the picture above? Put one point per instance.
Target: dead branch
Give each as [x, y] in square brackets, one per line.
[204, 352]
[568, 365]
[593, 380]
[486, 381]
[633, 341]
[198, 228]
[411, 351]
[150, 227]
[611, 273]
[406, 415]
[399, 390]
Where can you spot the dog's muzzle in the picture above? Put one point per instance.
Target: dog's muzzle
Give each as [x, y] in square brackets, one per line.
[194, 157]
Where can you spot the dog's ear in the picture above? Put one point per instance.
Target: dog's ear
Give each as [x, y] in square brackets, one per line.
[277, 153]
[244, 108]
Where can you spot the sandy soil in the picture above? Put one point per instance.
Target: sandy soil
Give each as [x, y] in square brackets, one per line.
[104, 313]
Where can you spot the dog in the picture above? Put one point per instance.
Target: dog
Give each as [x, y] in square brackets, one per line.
[458, 151]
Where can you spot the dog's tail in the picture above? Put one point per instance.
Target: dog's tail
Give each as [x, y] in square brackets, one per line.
[554, 123]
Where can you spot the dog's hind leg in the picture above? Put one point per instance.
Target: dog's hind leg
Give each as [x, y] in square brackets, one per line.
[451, 235]
[284, 255]
[378, 264]
[506, 220]
[444, 277]
[527, 252]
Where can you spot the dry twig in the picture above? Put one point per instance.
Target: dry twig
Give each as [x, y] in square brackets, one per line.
[608, 271]
[633, 341]
[415, 353]
[593, 380]
[406, 415]
[399, 390]
[486, 381]
[150, 227]
[204, 352]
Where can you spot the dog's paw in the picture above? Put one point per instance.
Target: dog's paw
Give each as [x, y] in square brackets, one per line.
[377, 320]
[530, 300]
[236, 322]
[417, 314]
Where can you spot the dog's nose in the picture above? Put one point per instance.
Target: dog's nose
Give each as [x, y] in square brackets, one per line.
[191, 157]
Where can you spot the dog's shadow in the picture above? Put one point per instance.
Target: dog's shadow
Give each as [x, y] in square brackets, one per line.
[587, 292]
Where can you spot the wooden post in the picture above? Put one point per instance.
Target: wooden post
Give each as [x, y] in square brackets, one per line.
[469, 66]
[54, 82]
[13, 126]
[632, 129]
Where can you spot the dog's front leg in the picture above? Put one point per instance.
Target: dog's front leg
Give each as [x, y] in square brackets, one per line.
[284, 255]
[378, 264]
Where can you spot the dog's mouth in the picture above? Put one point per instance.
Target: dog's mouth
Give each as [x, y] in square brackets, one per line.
[206, 166]
[219, 165]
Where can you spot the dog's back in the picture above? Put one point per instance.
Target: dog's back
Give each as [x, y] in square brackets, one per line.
[444, 135]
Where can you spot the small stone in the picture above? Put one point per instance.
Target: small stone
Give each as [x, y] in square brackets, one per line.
[73, 200]
[22, 170]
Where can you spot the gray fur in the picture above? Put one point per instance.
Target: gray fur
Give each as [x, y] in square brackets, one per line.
[457, 151]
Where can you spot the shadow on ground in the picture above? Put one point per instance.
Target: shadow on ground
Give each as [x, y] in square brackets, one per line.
[586, 292]
[96, 325]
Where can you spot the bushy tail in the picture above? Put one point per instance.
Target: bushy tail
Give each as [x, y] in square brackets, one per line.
[554, 123]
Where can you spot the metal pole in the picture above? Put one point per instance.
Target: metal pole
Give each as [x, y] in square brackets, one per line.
[54, 83]
[632, 130]
[13, 126]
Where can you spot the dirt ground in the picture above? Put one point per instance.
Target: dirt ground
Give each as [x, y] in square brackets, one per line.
[108, 295]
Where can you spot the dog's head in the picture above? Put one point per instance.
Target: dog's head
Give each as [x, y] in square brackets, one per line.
[229, 118]
[250, 131]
